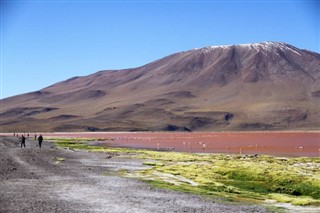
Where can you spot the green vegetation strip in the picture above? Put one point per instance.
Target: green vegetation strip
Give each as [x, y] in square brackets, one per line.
[234, 177]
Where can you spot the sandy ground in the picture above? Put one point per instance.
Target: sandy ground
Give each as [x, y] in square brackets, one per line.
[32, 180]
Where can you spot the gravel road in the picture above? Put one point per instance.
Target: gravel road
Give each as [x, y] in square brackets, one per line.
[55, 180]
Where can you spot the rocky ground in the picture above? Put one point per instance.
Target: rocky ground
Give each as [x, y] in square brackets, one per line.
[55, 180]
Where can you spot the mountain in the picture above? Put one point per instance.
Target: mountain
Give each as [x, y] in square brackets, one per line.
[260, 86]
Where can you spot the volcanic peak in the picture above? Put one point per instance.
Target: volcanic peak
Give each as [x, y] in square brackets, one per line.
[259, 86]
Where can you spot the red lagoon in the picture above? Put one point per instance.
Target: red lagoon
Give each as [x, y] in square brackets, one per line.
[270, 143]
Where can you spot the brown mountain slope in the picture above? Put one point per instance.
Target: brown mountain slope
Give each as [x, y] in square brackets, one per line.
[266, 85]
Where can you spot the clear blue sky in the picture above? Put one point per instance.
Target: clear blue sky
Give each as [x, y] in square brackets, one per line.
[44, 42]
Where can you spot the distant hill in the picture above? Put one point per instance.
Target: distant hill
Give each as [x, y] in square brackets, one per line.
[260, 86]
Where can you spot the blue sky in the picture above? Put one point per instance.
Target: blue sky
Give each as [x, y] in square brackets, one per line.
[44, 42]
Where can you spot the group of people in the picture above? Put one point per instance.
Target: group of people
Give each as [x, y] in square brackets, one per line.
[23, 140]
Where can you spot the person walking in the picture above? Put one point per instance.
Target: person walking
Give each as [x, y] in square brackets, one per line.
[23, 141]
[40, 139]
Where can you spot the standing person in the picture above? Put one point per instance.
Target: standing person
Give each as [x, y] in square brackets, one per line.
[40, 139]
[35, 137]
[23, 141]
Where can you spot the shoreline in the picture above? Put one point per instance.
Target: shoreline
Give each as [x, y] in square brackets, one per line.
[285, 144]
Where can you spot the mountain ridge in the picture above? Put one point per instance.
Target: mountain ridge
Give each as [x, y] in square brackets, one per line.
[269, 85]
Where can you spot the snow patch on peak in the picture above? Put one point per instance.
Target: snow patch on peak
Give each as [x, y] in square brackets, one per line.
[293, 50]
[216, 47]
[267, 45]
[281, 46]
[210, 48]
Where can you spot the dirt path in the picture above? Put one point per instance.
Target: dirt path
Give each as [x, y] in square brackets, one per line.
[54, 180]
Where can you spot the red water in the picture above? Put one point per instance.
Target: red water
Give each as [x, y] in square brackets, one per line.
[271, 143]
